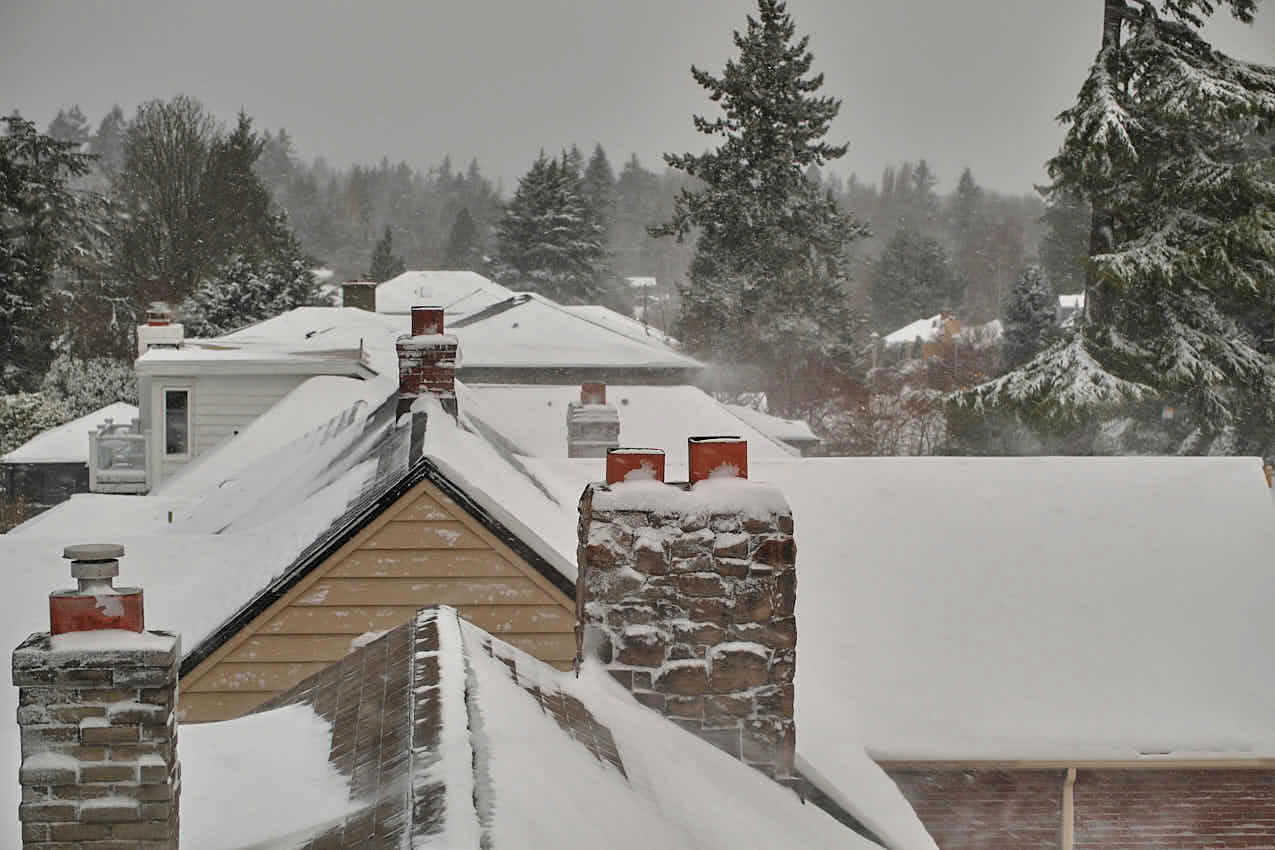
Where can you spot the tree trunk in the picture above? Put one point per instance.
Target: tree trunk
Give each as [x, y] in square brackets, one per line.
[1099, 298]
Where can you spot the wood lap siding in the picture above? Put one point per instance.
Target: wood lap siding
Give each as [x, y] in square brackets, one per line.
[224, 405]
[423, 550]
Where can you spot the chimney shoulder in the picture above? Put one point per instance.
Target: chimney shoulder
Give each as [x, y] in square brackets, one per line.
[593, 426]
[687, 595]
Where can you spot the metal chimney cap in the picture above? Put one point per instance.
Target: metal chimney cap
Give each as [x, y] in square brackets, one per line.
[93, 552]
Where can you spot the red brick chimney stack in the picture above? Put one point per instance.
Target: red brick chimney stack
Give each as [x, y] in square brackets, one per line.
[687, 595]
[96, 709]
[427, 360]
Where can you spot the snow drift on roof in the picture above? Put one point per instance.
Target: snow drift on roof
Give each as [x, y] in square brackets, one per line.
[459, 293]
[69, 442]
[627, 325]
[777, 427]
[532, 332]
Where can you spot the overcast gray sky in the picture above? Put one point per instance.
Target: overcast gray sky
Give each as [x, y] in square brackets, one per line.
[961, 82]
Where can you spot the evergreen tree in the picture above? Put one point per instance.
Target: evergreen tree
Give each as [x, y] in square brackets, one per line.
[548, 239]
[1182, 234]
[463, 249]
[244, 290]
[1031, 313]
[84, 386]
[107, 143]
[766, 283]
[235, 202]
[912, 280]
[47, 229]
[1064, 249]
[599, 187]
[70, 125]
[385, 265]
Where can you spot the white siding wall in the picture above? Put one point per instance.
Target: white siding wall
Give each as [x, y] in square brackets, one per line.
[222, 405]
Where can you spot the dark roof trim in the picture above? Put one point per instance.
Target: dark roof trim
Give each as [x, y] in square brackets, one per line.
[312, 557]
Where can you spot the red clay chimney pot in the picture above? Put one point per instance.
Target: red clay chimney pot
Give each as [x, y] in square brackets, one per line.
[427, 321]
[593, 392]
[647, 463]
[96, 603]
[710, 457]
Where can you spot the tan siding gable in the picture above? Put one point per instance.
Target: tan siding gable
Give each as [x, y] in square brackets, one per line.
[423, 550]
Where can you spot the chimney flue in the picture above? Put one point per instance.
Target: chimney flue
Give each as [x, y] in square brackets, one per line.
[96, 709]
[427, 321]
[717, 457]
[687, 595]
[635, 465]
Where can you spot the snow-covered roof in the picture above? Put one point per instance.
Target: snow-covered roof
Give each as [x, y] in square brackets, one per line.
[1026, 608]
[69, 442]
[529, 331]
[1072, 302]
[459, 293]
[926, 330]
[641, 282]
[306, 340]
[534, 417]
[466, 742]
[627, 325]
[788, 430]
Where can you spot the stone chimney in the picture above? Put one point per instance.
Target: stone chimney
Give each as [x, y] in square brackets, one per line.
[96, 700]
[427, 360]
[359, 293]
[593, 426]
[160, 331]
[686, 594]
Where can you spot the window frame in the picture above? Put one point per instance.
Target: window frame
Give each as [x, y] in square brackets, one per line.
[190, 422]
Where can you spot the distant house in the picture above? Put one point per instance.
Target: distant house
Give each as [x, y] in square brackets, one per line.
[1070, 306]
[459, 293]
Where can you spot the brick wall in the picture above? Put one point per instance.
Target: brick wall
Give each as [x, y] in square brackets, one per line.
[986, 809]
[1144, 809]
[1153, 809]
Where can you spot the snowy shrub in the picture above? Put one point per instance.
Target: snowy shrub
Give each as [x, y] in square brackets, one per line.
[23, 415]
[84, 386]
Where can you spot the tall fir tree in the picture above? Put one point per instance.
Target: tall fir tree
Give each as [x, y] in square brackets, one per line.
[548, 239]
[464, 248]
[912, 280]
[70, 125]
[107, 143]
[1031, 318]
[1182, 232]
[47, 229]
[385, 263]
[767, 280]
[598, 185]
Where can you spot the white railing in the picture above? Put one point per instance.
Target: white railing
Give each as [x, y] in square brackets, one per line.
[117, 458]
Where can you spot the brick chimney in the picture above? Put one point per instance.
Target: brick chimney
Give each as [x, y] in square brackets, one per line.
[96, 697]
[359, 293]
[427, 360]
[160, 331]
[593, 426]
[686, 594]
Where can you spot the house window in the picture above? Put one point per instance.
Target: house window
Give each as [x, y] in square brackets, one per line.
[176, 422]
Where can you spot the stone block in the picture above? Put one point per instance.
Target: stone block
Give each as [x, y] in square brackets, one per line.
[109, 734]
[733, 567]
[51, 812]
[651, 699]
[725, 523]
[776, 701]
[650, 562]
[80, 832]
[639, 652]
[683, 678]
[36, 739]
[35, 773]
[736, 669]
[108, 772]
[753, 603]
[697, 634]
[682, 652]
[112, 810]
[776, 551]
[147, 831]
[693, 543]
[731, 545]
[701, 584]
[685, 707]
[712, 610]
[701, 563]
[727, 706]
